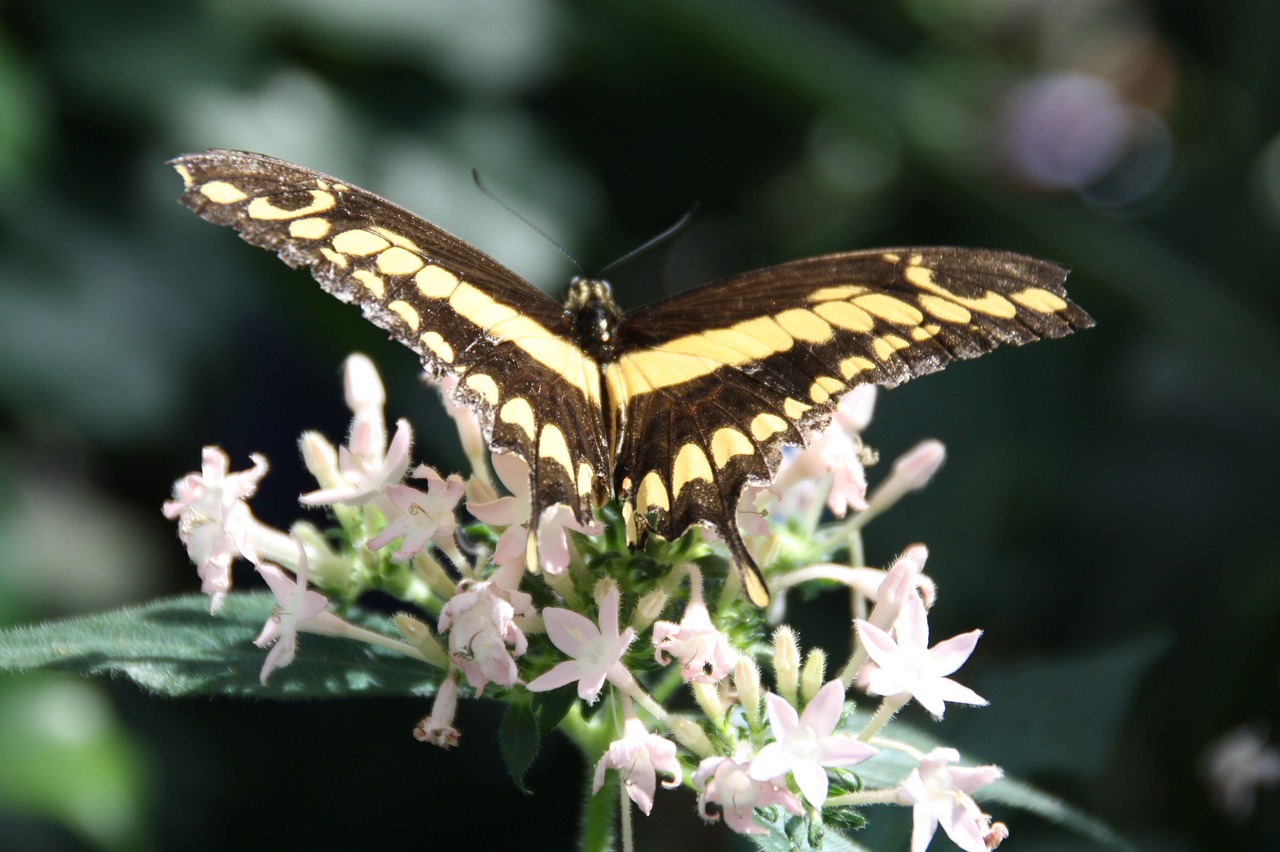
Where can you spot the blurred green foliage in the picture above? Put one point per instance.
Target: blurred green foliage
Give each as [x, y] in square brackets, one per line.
[1107, 515]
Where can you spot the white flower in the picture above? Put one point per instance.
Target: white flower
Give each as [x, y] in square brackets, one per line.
[803, 745]
[297, 608]
[595, 652]
[704, 653]
[481, 622]
[437, 728]
[422, 516]
[1236, 764]
[639, 756]
[214, 521]
[940, 794]
[366, 467]
[727, 782]
[909, 665]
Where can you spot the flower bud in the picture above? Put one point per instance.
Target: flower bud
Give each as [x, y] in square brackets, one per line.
[418, 634]
[691, 736]
[321, 459]
[786, 663]
[746, 679]
[648, 609]
[813, 676]
[362, 387]
[708, 697]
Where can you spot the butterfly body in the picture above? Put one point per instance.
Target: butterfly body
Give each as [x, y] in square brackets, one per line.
[674, 408]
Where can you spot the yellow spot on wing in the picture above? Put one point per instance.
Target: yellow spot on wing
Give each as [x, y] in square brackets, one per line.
[437, 344]
[690, 464]
[221, 192]
[311, 228]
[990, 303]
[518, 411]
[373, 283]
[945, 310]
[886, 345]
[398, 261]
[262, 208]
[924, 332]
[184, 173]
[765, 425]
[1039, 300]
[845, 315]
[794, 408]
[823, 387]
[406, 312]
[485, 386]
[828, 294]
[891, 257]
[652, 493]
[333, 257]
[727, 443]
[851, 367]
[551, 445]
[890, 309]
[359, 242]
[805, 325]
[586, 479]
[396, 239]
[436, 282]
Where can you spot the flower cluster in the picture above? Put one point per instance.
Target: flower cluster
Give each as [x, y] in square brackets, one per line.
[629, 639]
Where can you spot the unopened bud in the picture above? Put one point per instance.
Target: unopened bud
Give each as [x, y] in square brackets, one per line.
[648, 609]
[708, 698]
[911, 472]
[419, 635]
[786, 663]
[690, 735]
[813, 676]
[361, 385]
[746, 679]
[321, 459]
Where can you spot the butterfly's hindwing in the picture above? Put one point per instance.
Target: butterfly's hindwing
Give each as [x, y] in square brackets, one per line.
[509, 346]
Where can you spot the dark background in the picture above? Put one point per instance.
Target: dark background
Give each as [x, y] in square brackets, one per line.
[1107, 511]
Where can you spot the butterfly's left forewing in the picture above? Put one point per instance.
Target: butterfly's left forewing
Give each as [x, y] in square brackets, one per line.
[509, 346]
[709, 404]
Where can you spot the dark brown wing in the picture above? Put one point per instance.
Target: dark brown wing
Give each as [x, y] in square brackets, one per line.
[510, 346]
[713, 382]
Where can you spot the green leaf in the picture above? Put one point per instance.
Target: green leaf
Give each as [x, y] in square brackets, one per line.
[550, 707]
[519, 740]
[173, 647]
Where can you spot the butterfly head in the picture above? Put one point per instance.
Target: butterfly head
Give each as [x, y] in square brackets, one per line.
[595, 315]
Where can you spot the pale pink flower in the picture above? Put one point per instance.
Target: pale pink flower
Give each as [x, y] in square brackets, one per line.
[804, 744]
[595, 652]
[704, 653]
[939, 793]
[437, 728]
[836, 450]
[911, 471]
[514, 511]
[639, 756]
[297, 608]
[727, 782]
[421, 516]
[214, 521]
[1236, 764]
[904, 579]
[366, 465]
[481, 623]
[909, 665]
[364, 394]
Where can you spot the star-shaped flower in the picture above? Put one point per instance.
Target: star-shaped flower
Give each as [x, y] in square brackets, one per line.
[939, 793]
[424, 516]
[804, 744]
[595, 652]
[728, 782]
[639, 756]
[909, 665]
[297, 608]
[704, 653]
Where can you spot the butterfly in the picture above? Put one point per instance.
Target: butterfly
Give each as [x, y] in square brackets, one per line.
[674, 408]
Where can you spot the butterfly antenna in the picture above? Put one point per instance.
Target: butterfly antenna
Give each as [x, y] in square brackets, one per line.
[475, 174]
[653, 241]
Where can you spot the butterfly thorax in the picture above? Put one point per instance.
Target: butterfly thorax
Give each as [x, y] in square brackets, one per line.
[595, 316]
